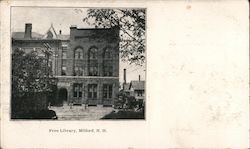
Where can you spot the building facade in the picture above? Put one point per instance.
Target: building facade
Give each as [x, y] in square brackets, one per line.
[86, 62]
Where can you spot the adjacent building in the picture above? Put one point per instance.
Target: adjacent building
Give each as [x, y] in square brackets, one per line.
[135, 88]
[86, 62]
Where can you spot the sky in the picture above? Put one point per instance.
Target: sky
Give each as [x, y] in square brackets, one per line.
[62, 18]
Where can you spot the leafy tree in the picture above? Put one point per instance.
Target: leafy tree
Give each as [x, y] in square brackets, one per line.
[132, 30]
[125, 101]
[31, 78]
[30, 73]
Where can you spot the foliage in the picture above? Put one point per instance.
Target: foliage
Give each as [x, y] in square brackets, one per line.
[132, 30]
[127, 102]
[32, 84]
[30, 74]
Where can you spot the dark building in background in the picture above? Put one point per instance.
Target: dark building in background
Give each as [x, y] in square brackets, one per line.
[86, 62]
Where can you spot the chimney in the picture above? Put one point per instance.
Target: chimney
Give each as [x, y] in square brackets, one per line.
[139, 77]
[124, 75]
[28, 31]
[60, 32]
[73, 29]
[73, 26]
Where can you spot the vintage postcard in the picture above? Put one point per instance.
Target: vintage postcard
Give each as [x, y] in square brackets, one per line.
[127, 74]
[79, 64]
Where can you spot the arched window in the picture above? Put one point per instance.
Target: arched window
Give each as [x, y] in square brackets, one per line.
[107, 62]
[78, 53]
[93, 61]
[107, 54]
[93, 53]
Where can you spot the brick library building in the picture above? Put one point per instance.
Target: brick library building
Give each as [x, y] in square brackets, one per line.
[85, 62]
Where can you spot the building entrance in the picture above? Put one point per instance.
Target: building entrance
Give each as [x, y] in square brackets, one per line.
[63, 95]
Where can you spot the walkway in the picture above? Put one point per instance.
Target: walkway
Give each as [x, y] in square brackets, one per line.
[80, 113]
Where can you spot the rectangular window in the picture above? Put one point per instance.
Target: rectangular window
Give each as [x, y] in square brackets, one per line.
[64, 68]
[64, 48]
[110, 91]
[64, 45]
[92, 91]
[77, 88]
[107, 90]
[75, 71]
[78, 71]
[64, 54]
[80, 91]
[139, 93]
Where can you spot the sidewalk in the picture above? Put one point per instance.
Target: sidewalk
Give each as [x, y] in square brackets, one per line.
[80, 113]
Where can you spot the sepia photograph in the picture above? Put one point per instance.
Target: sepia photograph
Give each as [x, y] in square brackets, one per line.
[78, 63]
[124, 74]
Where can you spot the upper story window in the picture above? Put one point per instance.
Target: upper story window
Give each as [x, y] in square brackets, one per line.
[64, 48]
[108, 69]
[79, 53]
[139, 93]
[64, 54]
[93, 62]
[64, 45]
[107, 62]
[107, 54]
[78, 71]
[93, 53]
[93, 70]
[64, 69]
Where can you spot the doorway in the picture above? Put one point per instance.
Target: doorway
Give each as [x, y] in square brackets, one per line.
[63, 96]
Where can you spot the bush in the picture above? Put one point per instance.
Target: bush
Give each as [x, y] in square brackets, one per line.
[35, 114]
[127, 102]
